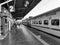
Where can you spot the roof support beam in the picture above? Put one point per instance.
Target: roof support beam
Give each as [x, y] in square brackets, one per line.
[4, 3]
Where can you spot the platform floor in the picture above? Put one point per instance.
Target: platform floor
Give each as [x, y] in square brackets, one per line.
[20, 36]
[23, 35]
[51, 40]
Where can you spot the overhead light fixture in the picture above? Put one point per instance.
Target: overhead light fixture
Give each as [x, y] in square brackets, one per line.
[26, 3]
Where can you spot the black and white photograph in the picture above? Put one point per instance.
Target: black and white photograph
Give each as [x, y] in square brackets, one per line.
[29, 22]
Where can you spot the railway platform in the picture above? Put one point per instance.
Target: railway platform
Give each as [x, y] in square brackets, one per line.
[23, 35]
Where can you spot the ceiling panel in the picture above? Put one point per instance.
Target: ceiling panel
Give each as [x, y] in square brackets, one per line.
[20, 9]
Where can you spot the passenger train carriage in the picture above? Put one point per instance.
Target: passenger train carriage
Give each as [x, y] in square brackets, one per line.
[48, 22]
[5, 23]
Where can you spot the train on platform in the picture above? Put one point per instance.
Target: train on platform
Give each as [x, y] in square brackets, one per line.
[6, 22]
[48, 22]
[27, 23]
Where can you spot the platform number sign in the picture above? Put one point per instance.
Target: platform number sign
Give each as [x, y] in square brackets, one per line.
[11, 8]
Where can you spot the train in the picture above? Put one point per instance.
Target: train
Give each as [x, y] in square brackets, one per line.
[6, 21]
[48, 22]
[26, 22]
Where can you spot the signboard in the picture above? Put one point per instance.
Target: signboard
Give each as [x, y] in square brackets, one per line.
[11, 8]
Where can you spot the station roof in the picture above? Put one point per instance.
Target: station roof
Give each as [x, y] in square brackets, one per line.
[51, 12]
[20, 9]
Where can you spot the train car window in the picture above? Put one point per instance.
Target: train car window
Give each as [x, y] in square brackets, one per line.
[36, 22]
[33, 22]
[55, 22]
[46, 22]
[40, 22]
